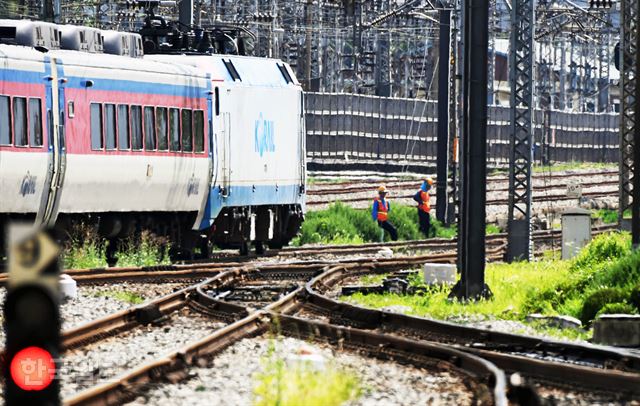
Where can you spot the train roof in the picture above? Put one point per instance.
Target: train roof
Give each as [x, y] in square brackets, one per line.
[48, 36]
[242, 70]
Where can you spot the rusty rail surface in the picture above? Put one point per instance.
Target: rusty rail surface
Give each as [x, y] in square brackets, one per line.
[380, 334]
[610, 369]
[486, 381]
[319, 189]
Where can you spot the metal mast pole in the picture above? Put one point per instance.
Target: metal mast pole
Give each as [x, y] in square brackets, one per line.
[521, 66]
[628, 65]
[185, 11]
[635, 205]
[442, 208]
[471, 237]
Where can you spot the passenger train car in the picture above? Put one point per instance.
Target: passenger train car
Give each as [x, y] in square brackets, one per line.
[202, 149]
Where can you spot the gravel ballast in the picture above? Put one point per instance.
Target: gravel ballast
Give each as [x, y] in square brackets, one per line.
[102, 361]
[231, 378]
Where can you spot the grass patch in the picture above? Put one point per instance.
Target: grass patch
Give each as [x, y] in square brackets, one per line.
[373, 279]
[342, 224]
[85, 249]
[562, 166]
[568, 166]
[123, 296]
[507, 281]
[148, 250]
[605, 276]
[608, 216]
[281, 384]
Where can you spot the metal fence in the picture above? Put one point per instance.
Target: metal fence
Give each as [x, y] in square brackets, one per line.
[358, 131]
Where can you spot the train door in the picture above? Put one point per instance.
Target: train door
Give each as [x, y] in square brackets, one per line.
[48, 211]
[225, 133]
[302, 142]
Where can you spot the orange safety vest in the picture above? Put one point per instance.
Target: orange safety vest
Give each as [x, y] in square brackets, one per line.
[382, 210]
[425, 206]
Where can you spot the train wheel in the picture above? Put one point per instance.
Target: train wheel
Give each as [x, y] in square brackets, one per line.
[259, 245]
[244, 248]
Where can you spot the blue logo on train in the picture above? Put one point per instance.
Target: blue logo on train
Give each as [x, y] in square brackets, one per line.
[264, 136]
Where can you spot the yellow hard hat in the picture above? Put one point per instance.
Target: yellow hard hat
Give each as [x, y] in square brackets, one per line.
[429, 181]
[382, 189]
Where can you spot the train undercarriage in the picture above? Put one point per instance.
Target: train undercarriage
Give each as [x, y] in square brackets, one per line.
[234, 228]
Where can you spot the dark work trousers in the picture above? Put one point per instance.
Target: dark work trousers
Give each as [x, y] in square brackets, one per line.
[385, 225]
[425, 223]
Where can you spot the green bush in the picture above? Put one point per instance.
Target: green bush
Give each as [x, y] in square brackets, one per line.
[634, 297]
[617, 308]
[623, 273]
[605, 247]
[597, 301]
[606, 215]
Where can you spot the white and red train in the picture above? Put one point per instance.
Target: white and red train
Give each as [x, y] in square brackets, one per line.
[205, 149]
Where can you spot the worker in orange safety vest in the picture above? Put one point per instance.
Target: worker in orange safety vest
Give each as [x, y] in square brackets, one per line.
[380, 213]
[422, 197]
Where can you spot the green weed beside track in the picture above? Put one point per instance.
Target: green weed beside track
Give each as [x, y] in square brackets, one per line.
[342, 224]
[605, 277]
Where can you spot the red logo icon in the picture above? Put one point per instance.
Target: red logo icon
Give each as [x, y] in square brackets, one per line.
[32, 369]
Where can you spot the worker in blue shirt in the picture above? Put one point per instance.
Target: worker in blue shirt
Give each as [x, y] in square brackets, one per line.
[380, 213]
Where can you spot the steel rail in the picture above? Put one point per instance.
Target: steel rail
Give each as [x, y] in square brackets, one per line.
[173, 366]
[414, 184]
[605, 358]
[344, 187]
[492, 202]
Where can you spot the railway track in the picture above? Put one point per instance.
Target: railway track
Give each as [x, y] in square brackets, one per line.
[294, 302]
[359, 192]
[332, 188]
[443, 250]
[235, 295]
[559, 197]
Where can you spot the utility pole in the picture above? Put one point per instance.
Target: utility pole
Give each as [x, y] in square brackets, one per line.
[185, 11]
[629, 189]
[454, 85]
[442, 196]
[471, 228]
[635, 208]
[307, 43]
[521, 77]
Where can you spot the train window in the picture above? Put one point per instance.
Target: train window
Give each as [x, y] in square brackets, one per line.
[71, 109]
[136, 127]
[96, 126]
[110, 125]
[149, 129]
[217, 101]
[161, 128]
[174, 129]
[123, 127]
[19, 121]
[232, 70]
[187, 142]
[198, 130]
[35, 122]
[5, 120]
[285, 73]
